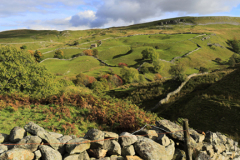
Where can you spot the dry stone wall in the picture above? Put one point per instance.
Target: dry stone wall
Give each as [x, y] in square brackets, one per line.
[153, 144]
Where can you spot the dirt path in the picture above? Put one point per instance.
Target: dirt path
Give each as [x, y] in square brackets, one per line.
[165, 100]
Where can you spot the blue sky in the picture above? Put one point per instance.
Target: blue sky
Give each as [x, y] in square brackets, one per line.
[83, 14]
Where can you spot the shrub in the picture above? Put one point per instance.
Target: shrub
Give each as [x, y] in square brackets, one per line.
[177, 71]
[203, 69]
[84, 80]
[231, 61]
[20, 73]
[129, 75]
[38, 56]
[59, 54]
[145, 68]
[88, 52]
[75, 43]
[149, 53]
[122, 64]
[31, 52]
[95, 52]
[157, 66]
[218, 60]
[81, 80]
[23, 47]
[116, 80]
[157, 77]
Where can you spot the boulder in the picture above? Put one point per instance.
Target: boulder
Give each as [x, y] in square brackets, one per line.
[17, 154]
[202, 156]
[170, 149]
[97, 153]
[133, 158]
[149, 150]
[3, 148]
[16, 134]
[111, 135]
[77, 145]
[97, 135]
[49, 153]
[3, 137]
[107, 144]
[37, 154]
[128, 151]
[115, 148]
[163, 140]
[83, 156]
[56, 135]
[52, 141]
[33, 128]
[115, 157]
[176, 130]
[29, 142]
[152, 134]
[179, 155]
[62, 141]
[127, 139]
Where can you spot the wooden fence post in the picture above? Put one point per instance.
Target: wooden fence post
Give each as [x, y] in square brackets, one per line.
[187, 146]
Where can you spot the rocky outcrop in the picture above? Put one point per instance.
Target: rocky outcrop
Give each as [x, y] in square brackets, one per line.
[162, 142]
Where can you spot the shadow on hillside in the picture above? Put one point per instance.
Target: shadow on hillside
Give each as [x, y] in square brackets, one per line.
[120, 55]
[139, 62]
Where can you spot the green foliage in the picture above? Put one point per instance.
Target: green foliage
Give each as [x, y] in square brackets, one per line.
[236, 45]
[20, 73]
[157, 66]
[75, 43]
[177, 71]
[236, 57]
[81, 80]
[203, 69]
[149, 53]
[231, 61]
[100, 86]
[23, 47]
[59, 54]
[145, 68]
[38, 56]
[129, 75]
[95, 52]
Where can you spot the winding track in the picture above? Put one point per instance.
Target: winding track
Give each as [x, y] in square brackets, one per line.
[176, 91]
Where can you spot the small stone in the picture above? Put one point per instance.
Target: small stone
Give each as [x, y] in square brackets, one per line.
[29, 142]
[3, 137]
[37, 154]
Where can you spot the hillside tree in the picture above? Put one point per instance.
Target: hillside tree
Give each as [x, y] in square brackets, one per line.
[157, 66]
[149, 53]
[38, 56]
[129, 75]
[59, 54]
[20, 73]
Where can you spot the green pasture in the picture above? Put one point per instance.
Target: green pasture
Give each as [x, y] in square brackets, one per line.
[71, 67]
[68, 53]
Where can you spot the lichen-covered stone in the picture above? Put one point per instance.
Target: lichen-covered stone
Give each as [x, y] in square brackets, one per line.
[16, 134]
[29, 142]
[3, 137]
[127, 139]
[77, 145]
[149, 150]
[49, 153]
[128, 151]
[17, 154]
[96, 135]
